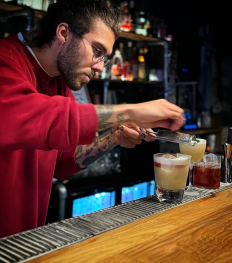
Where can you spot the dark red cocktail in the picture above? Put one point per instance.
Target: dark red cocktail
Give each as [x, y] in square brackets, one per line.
[206, 175]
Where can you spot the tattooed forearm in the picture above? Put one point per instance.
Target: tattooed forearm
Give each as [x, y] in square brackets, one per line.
[104, 113]
[88, 151]
[102, 144]
[100, 153]
[101, 138]
[120, 117]
[78, 151]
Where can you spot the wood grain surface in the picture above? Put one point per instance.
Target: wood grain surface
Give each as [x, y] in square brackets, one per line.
[200, 231]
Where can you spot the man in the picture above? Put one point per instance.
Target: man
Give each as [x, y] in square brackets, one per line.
[44, 132]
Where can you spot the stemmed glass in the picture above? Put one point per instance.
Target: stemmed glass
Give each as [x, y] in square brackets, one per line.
[197, 152]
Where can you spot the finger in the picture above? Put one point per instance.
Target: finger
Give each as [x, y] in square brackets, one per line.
[130, 133]
[125, 142]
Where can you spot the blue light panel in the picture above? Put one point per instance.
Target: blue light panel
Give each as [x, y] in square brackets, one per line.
[138, 191]
[93, 203]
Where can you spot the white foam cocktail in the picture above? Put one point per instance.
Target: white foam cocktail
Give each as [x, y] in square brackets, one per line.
[197, 151]
[171, 171]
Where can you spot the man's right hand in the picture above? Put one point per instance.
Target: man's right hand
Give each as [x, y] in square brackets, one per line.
[152, 114]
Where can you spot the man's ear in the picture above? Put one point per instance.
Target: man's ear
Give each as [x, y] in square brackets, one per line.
[62, 33]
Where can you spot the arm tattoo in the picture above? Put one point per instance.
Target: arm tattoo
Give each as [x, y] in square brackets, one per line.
[101, 138]
[88, 151]
[99, 154]
[104, 113]
[120, 117]
[78, 150]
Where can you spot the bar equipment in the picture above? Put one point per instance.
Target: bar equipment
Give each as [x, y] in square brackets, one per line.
[226, 176]
[176, 137]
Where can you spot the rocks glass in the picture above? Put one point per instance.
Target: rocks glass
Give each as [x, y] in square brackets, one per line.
[171, 172]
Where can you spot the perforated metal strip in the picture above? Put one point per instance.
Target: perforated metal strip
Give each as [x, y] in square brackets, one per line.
[40, 241]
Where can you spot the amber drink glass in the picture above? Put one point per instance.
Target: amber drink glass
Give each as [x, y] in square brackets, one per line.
[207, 172]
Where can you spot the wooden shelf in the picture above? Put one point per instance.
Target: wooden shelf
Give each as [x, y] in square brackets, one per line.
[129, 82]
[13, 7]
[136, 37]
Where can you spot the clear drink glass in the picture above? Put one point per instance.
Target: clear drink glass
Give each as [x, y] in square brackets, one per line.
[171, 172]
[197, 152]
[207, 172]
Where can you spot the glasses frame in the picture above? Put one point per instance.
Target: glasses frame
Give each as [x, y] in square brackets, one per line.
[95, 53]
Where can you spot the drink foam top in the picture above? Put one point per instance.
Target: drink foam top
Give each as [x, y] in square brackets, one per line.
[172, 159]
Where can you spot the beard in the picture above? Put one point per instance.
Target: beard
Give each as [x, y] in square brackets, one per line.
[68, 63]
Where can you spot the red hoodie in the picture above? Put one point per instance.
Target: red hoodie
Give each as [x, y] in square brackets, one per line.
[40, 126]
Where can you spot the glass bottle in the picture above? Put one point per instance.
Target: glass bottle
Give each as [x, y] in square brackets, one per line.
[142, 66]
[135, 64]
[126, 18]
[117, 65]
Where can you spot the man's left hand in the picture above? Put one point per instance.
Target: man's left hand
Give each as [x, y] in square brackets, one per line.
[129, 135]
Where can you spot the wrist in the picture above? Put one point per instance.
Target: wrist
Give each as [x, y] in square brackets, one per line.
[124, 113]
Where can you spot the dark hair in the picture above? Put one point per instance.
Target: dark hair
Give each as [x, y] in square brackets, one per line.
[78, 14]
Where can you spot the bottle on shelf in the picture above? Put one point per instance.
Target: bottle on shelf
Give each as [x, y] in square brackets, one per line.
[126, 18]
[133, 15]
[142, 66]
[121, 49]
[147, 58]
[141, 24]
[127, 67]
[117, 65]
[135, 64]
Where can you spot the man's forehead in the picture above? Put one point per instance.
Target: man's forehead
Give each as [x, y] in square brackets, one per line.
[102, 34]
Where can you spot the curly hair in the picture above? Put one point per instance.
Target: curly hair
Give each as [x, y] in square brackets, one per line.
[78, 14]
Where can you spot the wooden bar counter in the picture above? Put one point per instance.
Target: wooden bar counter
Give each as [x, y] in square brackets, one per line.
[199, 231]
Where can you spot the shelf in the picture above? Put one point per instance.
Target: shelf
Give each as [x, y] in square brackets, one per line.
[129, 82]
[136, 37]
[13, 7]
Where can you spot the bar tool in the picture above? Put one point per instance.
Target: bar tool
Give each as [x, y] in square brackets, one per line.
[176, 137]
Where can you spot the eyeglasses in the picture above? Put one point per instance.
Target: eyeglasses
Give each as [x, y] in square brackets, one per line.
[99, 55]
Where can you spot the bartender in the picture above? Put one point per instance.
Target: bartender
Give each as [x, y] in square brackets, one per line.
[44, 132]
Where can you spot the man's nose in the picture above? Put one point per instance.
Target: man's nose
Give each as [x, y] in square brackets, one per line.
[98, 66]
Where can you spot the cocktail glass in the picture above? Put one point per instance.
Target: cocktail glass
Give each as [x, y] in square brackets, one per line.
[197, 152]
[171, 172]
[207, 172]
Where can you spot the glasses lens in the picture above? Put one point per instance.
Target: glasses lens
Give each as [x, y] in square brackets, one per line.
[99, 54]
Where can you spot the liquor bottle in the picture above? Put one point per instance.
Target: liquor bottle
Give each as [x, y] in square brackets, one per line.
[126, 18]
[127, 67]
[141, 24]
[135, 64]
[147, 58]
[133, 15]
[142, 65]
[121, 49]
[117, 65]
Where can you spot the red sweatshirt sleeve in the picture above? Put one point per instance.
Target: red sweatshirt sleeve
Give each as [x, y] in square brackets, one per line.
[30, 119]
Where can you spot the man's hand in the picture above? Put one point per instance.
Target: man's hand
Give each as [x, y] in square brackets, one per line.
[151, 114]
[129, 135]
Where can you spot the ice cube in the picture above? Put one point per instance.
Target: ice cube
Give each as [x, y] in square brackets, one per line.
[169, 156]
[210, 158]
